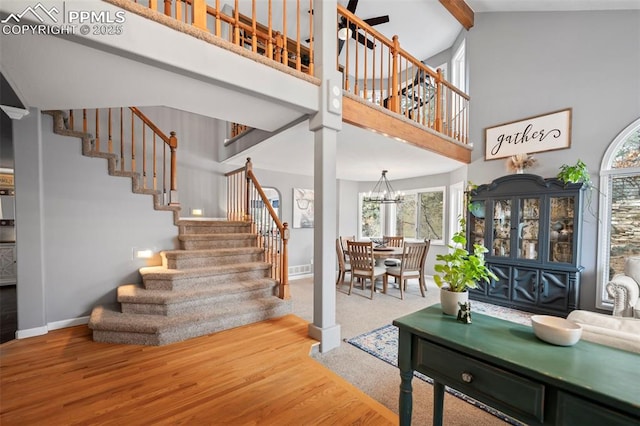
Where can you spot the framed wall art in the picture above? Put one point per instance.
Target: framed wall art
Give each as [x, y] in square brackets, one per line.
[302, 208]
[541, 133]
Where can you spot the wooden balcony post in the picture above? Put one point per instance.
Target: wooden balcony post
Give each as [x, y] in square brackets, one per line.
[439, 109]
[395, 84]
[311, 59]
[270, 33]
[167, 7]
[173, 145]
[199, 14]
[248, 169]
[284, 267]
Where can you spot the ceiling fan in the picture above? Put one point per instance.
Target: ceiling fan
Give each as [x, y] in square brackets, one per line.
[345, 33]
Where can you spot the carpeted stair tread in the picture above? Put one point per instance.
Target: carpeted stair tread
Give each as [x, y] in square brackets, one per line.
[110, 319]
[211, 222]
[134, 293]
[220, 236]
[200, 253]
[162, 272]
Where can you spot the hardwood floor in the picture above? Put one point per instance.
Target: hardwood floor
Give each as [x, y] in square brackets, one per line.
[257, 374]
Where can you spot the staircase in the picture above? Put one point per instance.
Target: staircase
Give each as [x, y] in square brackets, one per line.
[218, 280]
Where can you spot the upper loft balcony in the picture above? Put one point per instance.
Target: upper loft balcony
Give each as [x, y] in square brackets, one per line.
[385, 88]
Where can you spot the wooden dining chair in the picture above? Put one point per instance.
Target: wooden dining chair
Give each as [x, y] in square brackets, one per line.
[393, 242]
[363, 265]
[411, 266]
[343, 266]
[343, 244]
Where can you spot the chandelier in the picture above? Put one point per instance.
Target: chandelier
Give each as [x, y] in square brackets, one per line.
[383, 192]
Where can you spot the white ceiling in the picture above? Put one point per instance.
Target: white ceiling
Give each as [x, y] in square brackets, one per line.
[362, 155]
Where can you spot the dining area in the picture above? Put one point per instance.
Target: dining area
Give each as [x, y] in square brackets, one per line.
[381, 265]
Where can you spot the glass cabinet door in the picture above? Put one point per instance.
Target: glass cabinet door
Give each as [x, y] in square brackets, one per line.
[476, 223]
[528, 228]
[561, 237]
[501, 228]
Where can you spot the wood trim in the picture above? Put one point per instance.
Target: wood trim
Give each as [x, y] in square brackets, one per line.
[361, 115]
[461, 11]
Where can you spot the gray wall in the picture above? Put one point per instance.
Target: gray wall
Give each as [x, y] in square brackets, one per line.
[199, 173]
[526, 64]
[90, 222]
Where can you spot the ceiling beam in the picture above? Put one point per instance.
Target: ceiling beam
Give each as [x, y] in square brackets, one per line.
[461, 11]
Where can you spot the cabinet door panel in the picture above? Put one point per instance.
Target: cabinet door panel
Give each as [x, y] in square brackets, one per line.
[525, 285]
[500, 289]
[554, 289]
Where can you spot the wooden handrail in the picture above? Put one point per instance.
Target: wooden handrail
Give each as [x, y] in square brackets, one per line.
[429, 100]
[133, 127]
[244, 195]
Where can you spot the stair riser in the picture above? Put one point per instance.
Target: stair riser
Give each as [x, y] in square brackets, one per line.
[213, 244]
[219, 229]
[212, 260]
[204, 304]
[192, 330]
[202, 282]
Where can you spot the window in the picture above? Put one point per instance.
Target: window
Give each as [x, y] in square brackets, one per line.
[371, 216]
[458, 65]
[421, 215]
[619, 208]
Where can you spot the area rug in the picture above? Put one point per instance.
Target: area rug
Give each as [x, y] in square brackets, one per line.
[382, 343]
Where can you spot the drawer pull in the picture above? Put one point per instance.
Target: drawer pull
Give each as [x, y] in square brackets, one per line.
[467, 377]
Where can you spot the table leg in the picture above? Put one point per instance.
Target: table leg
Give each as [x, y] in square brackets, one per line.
[406, 375]
[438, 403]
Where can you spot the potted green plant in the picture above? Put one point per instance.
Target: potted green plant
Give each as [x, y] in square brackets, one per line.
[459, 270]
[578, 173]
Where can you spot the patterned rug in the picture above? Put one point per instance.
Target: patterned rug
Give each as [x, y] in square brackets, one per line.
[383, 344]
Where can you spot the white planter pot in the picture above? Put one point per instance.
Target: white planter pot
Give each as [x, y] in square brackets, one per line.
[449, 300]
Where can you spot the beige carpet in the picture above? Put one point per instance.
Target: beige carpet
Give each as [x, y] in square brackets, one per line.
[357, 314]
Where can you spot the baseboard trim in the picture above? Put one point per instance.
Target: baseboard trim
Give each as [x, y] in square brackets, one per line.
[31, 332]
[39, 331]
[68, 323]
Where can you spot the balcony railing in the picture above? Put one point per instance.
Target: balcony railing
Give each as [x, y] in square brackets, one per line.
[374, 67]
[380, 71]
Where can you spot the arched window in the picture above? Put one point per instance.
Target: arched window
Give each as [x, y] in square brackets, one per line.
[619, 235]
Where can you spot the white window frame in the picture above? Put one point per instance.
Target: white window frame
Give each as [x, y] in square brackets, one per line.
[459, 67]
[361, 196]
[442, 189]
[606, 173]
[456, 201]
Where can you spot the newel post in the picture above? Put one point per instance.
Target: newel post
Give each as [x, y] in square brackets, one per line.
[395, 99]
[199, 14]
[248, 169]
[439, 100]
[173, 146]
[284, 267]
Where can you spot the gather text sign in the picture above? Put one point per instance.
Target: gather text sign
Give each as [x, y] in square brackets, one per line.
[534, 134]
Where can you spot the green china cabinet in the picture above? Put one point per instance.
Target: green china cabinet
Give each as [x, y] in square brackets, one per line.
[532, 228]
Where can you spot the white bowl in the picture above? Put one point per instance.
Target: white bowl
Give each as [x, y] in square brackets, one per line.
[556, 330]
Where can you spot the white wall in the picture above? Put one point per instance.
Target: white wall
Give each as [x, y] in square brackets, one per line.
[526, 64]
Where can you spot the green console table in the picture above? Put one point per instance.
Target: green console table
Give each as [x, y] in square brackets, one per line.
[504, 365]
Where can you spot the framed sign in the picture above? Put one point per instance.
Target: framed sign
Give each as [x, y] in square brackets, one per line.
[302, 208]
[545, 132]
